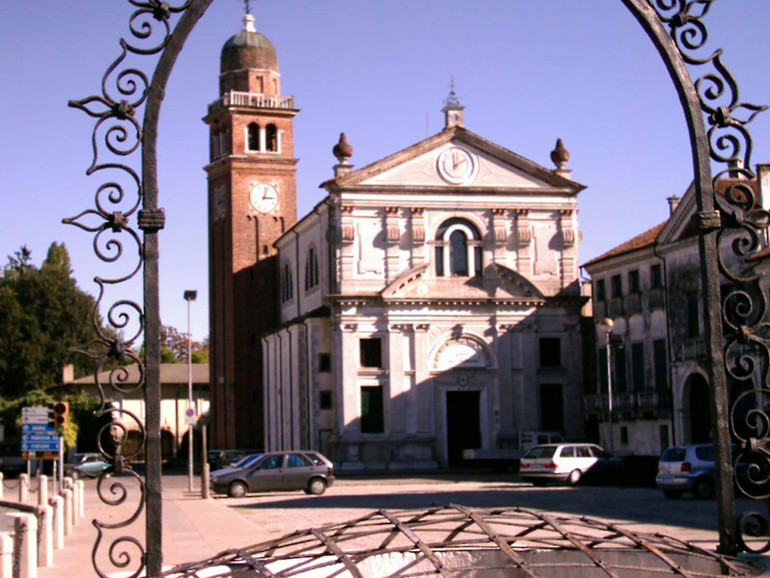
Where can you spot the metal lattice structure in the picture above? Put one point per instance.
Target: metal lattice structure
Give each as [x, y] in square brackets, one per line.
[453, 541]
[126, 215]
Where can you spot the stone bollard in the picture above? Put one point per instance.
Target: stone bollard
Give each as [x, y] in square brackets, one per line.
[45, 543]
[23, 488]
[25, 545]
[205, 481]
[67, 511]
[42, 496]
[57, 503]
[82, 502]
[75, 502]
[6, 555]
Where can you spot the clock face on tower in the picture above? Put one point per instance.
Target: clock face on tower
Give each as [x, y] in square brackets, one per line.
[456, 166]
[263, 197]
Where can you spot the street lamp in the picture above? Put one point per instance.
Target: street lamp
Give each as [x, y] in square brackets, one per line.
[189, 296]
[607, 325]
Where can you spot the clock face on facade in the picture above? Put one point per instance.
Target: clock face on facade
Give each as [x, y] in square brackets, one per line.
[456, 166]
[263, 197]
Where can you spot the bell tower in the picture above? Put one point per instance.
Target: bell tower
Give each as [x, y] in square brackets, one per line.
[252, 201]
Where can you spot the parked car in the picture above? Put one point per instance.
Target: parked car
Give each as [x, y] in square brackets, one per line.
[688, 468]
[87, 465]
[219, 459]
[568, 462]
[272, 471]
[11, 461]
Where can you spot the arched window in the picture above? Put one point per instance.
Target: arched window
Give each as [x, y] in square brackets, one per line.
[271, 134]
[311, 269]
[252, 143]
[287, 286]
[458, 249]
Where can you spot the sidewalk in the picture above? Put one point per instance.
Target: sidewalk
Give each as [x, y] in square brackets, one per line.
[193, 529]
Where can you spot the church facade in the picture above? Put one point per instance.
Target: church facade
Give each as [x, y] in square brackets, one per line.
[430, 303]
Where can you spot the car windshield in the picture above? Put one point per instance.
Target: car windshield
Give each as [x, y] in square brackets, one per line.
[540, 452]
[247, 461]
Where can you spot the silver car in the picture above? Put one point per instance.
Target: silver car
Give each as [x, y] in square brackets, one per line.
[687, 469]
[274, 471]
[566, 462]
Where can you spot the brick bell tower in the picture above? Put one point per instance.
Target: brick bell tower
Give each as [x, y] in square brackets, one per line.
[252, 201]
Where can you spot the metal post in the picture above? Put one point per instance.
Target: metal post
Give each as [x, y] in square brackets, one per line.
[607, 325]
[609, 392]
[204, 464]
[189, 297]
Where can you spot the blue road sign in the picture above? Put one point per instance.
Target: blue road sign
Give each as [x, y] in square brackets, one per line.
[39, 443]
[37, 428]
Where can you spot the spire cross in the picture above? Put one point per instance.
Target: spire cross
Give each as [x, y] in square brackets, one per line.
[247, 6]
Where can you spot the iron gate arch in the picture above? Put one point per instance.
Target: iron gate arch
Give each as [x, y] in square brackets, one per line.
[676, 29]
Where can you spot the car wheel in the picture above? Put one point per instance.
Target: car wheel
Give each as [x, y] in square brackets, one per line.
[237, 490]
[672, 494]
[316, 487]
[703, 488]
[574, 477]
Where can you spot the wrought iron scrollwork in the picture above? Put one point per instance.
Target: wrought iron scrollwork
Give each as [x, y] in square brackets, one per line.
[125, 208]
[741, 240]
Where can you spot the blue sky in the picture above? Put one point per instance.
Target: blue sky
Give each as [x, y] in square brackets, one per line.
[528, 73]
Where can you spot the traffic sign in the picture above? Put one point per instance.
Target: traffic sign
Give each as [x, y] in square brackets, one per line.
[37, 428]
[39, 443]
[40, 455]
[34, 415]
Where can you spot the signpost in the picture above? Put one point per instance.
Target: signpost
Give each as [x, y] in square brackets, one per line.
[37, 433]
[39, 438]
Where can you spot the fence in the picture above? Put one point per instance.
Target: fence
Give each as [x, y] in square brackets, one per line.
[40, 523]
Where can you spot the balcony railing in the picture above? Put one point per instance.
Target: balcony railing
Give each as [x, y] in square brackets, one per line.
[639, 405]
[647, 400]
[693, 349]
[633, 304]
[252, 100]
[615, 308]
[657, 298]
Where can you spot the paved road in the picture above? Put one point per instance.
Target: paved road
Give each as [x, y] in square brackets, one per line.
[643, 509]
[196, 529]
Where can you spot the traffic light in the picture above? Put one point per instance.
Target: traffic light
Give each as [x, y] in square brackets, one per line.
[61, 410]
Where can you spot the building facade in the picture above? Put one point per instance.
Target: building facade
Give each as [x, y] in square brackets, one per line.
[650, 287]
[429, 304]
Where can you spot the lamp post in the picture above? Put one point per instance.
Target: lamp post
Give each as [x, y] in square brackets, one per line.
[189, 296]
[607, 325]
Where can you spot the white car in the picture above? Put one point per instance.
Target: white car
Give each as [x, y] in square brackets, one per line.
[565, 463]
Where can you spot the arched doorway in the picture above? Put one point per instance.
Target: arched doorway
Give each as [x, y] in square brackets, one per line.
[697, 422]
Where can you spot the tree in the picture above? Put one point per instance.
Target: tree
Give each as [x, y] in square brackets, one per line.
[174, 347]
[43, 314]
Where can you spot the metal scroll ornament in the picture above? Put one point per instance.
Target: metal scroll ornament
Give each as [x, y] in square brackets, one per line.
[733, 225]
[125, 222]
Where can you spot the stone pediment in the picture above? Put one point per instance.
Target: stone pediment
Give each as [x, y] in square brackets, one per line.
[514, 285]
[457, 158]
[413, 284]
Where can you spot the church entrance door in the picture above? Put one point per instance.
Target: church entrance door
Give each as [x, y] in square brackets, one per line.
[462, 423]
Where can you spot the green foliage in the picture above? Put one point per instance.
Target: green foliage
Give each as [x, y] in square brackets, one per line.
[174, 347]
[43, 314]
